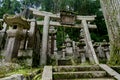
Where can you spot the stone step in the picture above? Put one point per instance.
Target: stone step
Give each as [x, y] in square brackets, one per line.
[82, 74]
[76, 68]
[89, 79]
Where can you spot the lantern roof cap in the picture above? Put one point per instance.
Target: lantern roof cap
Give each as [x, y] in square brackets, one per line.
[16, 20]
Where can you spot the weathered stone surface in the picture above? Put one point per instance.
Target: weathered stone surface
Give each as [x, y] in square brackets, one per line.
[105, 48]
[8, 65]
[52, 45]
[111, 12]
[45, 40]
[15, 33]
[91, 79]
[110, 71]
[47, 73]
[31, 35]
[69, 50]
[57, 16]
[83, 58]
[76, 68]
[84, 74]
[10, 49]
[89, 42]
[27, 54]
[93, 72]
[69, 46]
[16, 21]
[14, 77]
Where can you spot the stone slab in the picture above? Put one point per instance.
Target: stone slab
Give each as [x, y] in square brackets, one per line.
[47, 73]
[110, 71]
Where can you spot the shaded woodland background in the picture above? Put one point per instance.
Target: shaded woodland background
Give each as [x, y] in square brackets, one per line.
[81, 7]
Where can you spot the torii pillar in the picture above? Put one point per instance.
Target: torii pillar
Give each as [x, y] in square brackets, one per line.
[89, 42]
[45, 40]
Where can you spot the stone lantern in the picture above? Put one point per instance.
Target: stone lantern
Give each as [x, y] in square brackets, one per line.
[68, 44]
[17, 30]
[52, 40]
[96, 45]
[81, 46]
[105, 46]
[63, 51]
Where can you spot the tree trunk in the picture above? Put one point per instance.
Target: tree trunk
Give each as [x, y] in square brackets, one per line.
[111, 11]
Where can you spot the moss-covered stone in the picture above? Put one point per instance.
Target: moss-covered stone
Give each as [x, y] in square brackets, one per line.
[115, 56]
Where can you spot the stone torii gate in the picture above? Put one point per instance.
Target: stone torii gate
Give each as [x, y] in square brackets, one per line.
[47, 22]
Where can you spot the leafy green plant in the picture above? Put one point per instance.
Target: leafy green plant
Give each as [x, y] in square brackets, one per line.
[38, 77]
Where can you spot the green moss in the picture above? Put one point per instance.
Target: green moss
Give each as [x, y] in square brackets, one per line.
[115, 56]
[6, 68]
[1, 57]
[61, 76]
[51, 61]
[103, 61]
[2, 72]
[25, 72]
[74, 76]
[73, 62]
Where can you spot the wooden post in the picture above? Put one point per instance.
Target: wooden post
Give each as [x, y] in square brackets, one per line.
[45, 40]
[88, 40]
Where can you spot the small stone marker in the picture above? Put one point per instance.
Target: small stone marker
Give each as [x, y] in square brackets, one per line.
[47, 73]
